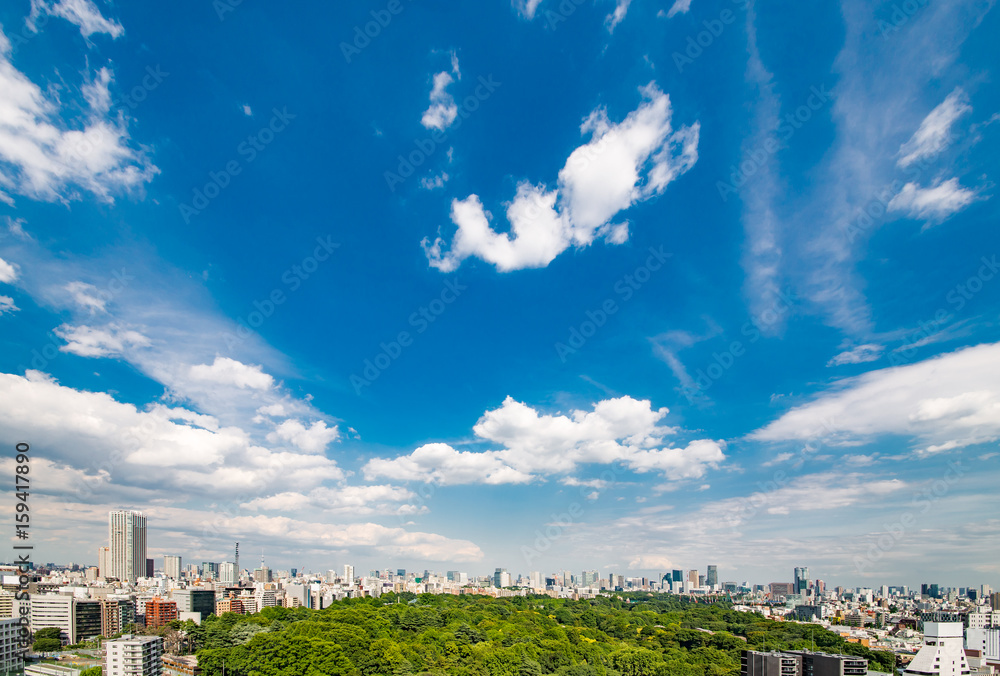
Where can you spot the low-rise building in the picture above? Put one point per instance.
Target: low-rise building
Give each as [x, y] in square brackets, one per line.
[134, 656]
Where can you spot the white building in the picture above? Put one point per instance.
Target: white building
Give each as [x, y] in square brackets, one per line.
[11, 657]
[134, 656]
[228, 573]
[349, 575]
[127, 545]
[53, 610]
[986, 641]
[943, 652]
[172, 567]
[984, 620]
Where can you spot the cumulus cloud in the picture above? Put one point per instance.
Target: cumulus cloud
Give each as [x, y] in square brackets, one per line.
[434, 182]
[357, 500]
[107, 341]
[950, 401]
[7, 305]
[45, 158]
[8, 272]
[82, 13]
[679, 7]
[858, 355]
[533, 445]
[442, 110]
[935, 203]
[622, 164]
[226, 371]
[312, 439]
[934, 133]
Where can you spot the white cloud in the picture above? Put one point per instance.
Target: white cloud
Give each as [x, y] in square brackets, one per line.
[443, 110]
[8, 272]
[621, 165]
[527, 8]
[356, 500]
[108, 341]
[858, 355]
[434, 182]
[951, 399]
[92, 429]
[935, 203]
[679, 7]
[226, 371]
[934, 133]
[86, 296]
[7, 305]
[616, 17]
[247, 111]
[83, 13]
[43, 158]
[16, 227]
[535, 445]
[312, 439]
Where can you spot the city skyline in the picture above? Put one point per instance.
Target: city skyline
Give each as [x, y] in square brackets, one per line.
[631, 287]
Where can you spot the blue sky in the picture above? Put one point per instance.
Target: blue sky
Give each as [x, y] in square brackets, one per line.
[617, 285]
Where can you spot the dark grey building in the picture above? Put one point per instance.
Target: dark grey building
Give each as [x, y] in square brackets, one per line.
[801, 663]
[195, 601]
[756, 663]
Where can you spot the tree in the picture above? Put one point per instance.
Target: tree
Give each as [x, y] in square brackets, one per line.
[46, 645]
[49, 632]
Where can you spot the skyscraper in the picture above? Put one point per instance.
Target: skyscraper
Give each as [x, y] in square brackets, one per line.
[712, 578]
[801, 580]
[172, 567]
[349, 574]
[103, 561]
[126, 544]
[228, 572]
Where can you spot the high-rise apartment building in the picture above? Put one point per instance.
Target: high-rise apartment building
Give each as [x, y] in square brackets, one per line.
[116, 616]
[692, 577]
[134, 656]
[11, 656]
[712, 576]
[127, 545]
[349, 575]
[160, 612]
[103, 562]
[172, 567]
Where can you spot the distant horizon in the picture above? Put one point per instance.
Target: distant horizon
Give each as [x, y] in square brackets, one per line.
[525, 283]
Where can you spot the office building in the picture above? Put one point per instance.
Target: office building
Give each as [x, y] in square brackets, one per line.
[229, 605]
[349, 575]
[195, 601]
[986, 642]
[11, 657]
[86, 620]
[134, 656]
[589, 578]
[228, 573]
[127, 545]
[262, 574]
[801, 584]
[995, 601]
[712, 576]
[172, 567]
[209, 570]
[160, 612]
[53, 610]
[942, 653]
[501, 578]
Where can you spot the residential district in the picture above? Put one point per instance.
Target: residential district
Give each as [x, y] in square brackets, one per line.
[933, 631]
